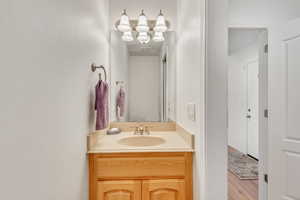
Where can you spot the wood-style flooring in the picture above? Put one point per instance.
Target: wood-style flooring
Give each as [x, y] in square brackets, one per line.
[241, 189]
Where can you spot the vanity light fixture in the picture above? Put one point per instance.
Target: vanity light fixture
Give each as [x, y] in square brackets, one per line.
[143, 38]
[160, 25]
[127, 36]
[142, 23]
[158, 37]
[142, 29]
[124, 25]
[147, 41]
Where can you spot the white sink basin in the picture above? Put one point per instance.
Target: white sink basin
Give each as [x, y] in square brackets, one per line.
[141, 141]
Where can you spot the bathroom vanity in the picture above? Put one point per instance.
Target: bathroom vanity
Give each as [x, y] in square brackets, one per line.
[141, 176]
[139, 171]
[152, 158]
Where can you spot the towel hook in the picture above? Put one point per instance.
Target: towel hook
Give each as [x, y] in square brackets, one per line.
[94, 68]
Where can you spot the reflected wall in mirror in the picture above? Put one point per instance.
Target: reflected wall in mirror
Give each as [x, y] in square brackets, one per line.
[143, 79]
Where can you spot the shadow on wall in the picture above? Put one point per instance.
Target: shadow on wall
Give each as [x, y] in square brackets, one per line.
[92, 113]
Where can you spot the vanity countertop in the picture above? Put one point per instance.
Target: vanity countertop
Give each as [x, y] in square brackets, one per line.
[174, 142]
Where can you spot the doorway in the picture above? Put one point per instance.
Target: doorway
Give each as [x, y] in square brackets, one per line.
[247, 100]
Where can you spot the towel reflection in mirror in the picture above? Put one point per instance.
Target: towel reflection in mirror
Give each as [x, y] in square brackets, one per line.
[120, 103]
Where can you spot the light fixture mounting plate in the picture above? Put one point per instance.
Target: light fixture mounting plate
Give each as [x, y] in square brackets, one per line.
[134, 23]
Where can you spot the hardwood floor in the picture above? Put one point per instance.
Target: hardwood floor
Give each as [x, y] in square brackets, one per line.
[241, 189]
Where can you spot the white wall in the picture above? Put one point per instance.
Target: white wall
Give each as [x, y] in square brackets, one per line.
[45, 82]
[144, 88]
[237, 94]
[216, 99]
[119, 72]
[134, 7]
[190, 78]
[271, 14]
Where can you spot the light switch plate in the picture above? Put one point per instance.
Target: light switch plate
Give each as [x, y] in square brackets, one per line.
[191, 111]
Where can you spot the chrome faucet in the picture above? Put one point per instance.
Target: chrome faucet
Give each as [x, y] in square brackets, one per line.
[140, 130]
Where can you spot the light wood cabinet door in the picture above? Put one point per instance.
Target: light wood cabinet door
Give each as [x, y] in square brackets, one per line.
[171, 189]
[119, 190]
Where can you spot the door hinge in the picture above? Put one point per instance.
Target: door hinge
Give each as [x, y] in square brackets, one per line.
[266, 113]
[266, 178]
[266, 48]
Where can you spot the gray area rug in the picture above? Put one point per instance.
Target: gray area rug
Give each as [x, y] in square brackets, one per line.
[243, 166]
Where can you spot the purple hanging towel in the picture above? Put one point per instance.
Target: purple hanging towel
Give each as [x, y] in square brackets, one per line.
[101, 105]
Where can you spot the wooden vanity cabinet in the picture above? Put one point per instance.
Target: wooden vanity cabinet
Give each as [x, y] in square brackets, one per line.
[119, 190]
[172, 189]
[140, 176]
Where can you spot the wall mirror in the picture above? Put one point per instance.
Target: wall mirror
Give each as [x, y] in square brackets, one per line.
[143, 79]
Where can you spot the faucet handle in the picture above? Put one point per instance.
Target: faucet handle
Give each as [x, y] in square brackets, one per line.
[147, 129]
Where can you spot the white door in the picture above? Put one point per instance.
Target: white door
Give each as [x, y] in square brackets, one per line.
[284, 146]
[252, 108]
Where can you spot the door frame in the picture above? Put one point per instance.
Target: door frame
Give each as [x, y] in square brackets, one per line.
[164, 89]
[263, 119]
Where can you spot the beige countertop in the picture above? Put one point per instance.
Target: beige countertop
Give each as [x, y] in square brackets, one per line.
[174, 142]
